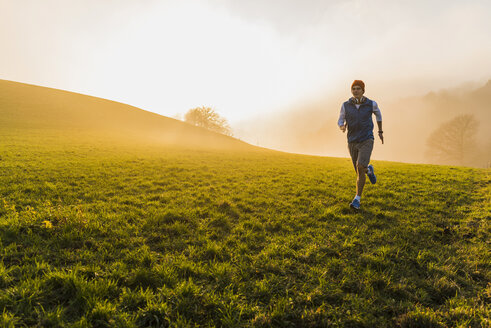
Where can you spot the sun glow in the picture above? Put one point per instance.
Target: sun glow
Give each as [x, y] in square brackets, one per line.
[244, 59]
[169, 57]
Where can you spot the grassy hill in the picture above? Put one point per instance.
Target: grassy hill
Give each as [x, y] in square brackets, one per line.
[96, 232]
[25, 107]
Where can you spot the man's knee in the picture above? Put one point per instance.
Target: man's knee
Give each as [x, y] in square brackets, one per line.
[361, 168]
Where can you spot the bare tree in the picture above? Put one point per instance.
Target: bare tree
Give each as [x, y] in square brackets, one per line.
[209, 119]
[454, 142]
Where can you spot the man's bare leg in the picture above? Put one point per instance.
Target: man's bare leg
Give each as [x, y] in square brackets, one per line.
[360, 179]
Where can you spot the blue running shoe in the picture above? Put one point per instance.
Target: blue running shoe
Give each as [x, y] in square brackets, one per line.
[355, 204]
[371, 174]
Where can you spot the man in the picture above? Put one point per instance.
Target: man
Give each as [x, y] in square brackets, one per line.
[356, 115]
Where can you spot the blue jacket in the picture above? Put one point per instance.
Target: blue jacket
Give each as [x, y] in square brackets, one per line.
[359, 120]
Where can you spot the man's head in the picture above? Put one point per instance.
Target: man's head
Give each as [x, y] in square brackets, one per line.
[358, 88]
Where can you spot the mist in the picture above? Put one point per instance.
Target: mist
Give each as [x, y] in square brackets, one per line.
[310, 127]
[243, 58]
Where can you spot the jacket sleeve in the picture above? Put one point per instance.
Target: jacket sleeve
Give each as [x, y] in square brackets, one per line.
[342, 114]
[377, 112]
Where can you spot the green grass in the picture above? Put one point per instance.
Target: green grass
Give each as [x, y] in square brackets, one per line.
[100, 234]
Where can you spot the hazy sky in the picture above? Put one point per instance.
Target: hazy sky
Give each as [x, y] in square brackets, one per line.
[243, 58]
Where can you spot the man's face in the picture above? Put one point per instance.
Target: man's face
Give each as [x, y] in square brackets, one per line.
[357, 91]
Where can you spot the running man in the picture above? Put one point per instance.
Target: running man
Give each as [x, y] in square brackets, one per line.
[356, 115]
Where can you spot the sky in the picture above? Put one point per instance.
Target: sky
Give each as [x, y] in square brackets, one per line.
[245, 59]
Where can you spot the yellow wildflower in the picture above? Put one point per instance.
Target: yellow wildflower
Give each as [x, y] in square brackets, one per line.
[47, 224]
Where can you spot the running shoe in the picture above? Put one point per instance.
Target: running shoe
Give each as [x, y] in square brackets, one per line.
[371, 174]
[355, 204]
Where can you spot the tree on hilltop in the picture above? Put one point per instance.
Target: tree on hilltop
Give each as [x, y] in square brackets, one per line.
[454, 142]
[207, 118]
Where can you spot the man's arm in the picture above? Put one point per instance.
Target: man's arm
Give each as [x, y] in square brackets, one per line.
[341, 120]
[378, 115]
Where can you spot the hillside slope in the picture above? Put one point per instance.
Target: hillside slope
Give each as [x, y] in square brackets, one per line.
[97, 234]
[167, 237]
[28, 107]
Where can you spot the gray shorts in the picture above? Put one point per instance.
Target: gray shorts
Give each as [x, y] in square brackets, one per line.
[360, 152]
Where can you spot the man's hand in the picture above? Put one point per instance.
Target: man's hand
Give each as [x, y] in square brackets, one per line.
[343, 128]
[380, 131]
[381, 136]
